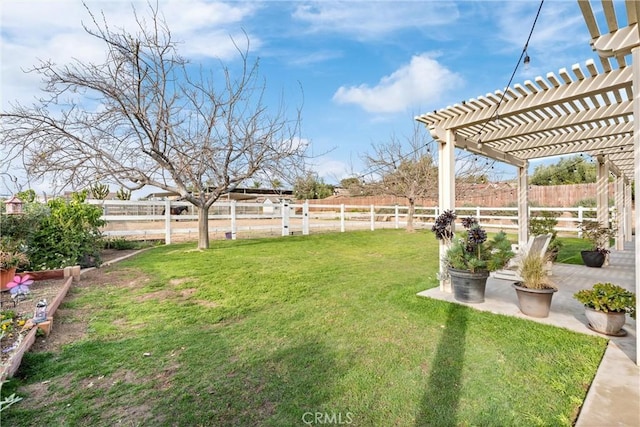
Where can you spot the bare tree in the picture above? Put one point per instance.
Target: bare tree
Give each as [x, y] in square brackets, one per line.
[408, 168]
[154, 120]
[404, 170]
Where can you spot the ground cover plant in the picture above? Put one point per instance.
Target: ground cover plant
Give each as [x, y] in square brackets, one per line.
[266, 332]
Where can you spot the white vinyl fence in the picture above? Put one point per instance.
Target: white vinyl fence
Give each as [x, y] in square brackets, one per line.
[152, 220]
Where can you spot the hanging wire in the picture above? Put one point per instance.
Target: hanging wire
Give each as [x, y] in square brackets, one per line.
[515, 69]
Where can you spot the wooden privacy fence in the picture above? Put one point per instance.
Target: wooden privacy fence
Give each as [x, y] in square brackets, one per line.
[153, 220]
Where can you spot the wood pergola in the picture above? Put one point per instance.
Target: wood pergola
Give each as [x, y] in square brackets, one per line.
[591, 109]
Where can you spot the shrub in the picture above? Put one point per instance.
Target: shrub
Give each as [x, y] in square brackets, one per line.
[17, 230]
[472, 251]
[120, 244]
[599, 235]
[57, 234]
[608, 297]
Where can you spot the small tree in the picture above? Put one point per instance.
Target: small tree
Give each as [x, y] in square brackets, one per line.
[310, 186]
[407, 172]
[123, 194]
[99, 191]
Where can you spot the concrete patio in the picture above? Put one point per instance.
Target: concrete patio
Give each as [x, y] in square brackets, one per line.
[614, 396]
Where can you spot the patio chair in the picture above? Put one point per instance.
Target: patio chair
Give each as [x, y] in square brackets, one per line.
[537, 244]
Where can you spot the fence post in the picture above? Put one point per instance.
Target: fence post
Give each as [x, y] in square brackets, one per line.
[234, 222]
[397, 217]
[373, 218]
[305, 218]
[167, 222]
[478, 214]
[579, 220]
[342, 218]
[285, 218]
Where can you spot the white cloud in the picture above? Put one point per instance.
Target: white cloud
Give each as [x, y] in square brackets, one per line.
[331, 170]
[306, 59]
[374, 19]
[43, 30]
[424, 80]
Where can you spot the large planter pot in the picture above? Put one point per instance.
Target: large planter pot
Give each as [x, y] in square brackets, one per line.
[534, 302]
[468, 286]
[608, 323]
[5, 277]
[592, 258]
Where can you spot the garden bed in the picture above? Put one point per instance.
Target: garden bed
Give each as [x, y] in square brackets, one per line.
[17, 340]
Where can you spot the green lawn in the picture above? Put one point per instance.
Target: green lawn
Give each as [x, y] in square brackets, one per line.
[278, 331]
[570, 251]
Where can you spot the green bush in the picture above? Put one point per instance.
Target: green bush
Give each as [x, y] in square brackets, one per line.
[57, 234]
[608, 297]
[18, 230]
[120, 244]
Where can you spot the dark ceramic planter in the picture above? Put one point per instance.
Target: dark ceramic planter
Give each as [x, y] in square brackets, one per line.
[467, 286]
[592, 258]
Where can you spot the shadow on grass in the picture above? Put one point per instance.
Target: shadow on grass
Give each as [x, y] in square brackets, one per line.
[439, 406]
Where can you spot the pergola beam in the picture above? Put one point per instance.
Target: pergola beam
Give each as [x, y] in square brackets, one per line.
[440, 134]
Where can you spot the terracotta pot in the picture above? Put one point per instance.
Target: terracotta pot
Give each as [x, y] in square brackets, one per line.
[534, 302]
[5, 277]
[608, 323]
[45, 274]
[468, 286]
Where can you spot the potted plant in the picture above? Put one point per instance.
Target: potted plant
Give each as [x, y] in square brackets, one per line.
[535, 290]
[10, 260]
[599, 237]
[472, 256]
[606, 306]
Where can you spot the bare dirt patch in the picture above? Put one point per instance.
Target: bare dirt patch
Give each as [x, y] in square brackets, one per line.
[70, 324]
[24, 309]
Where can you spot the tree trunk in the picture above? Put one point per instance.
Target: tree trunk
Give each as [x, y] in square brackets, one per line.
[412, 209]
[203, 227]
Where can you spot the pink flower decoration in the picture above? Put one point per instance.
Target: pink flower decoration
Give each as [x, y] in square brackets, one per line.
[20, 284]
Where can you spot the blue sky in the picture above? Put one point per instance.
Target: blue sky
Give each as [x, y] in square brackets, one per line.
[366, 68]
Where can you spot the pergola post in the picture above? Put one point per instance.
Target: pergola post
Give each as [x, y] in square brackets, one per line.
[628, 212]
[636, 170]
[602, 191]
[446, 193]
[619, 199]
[523, 205]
